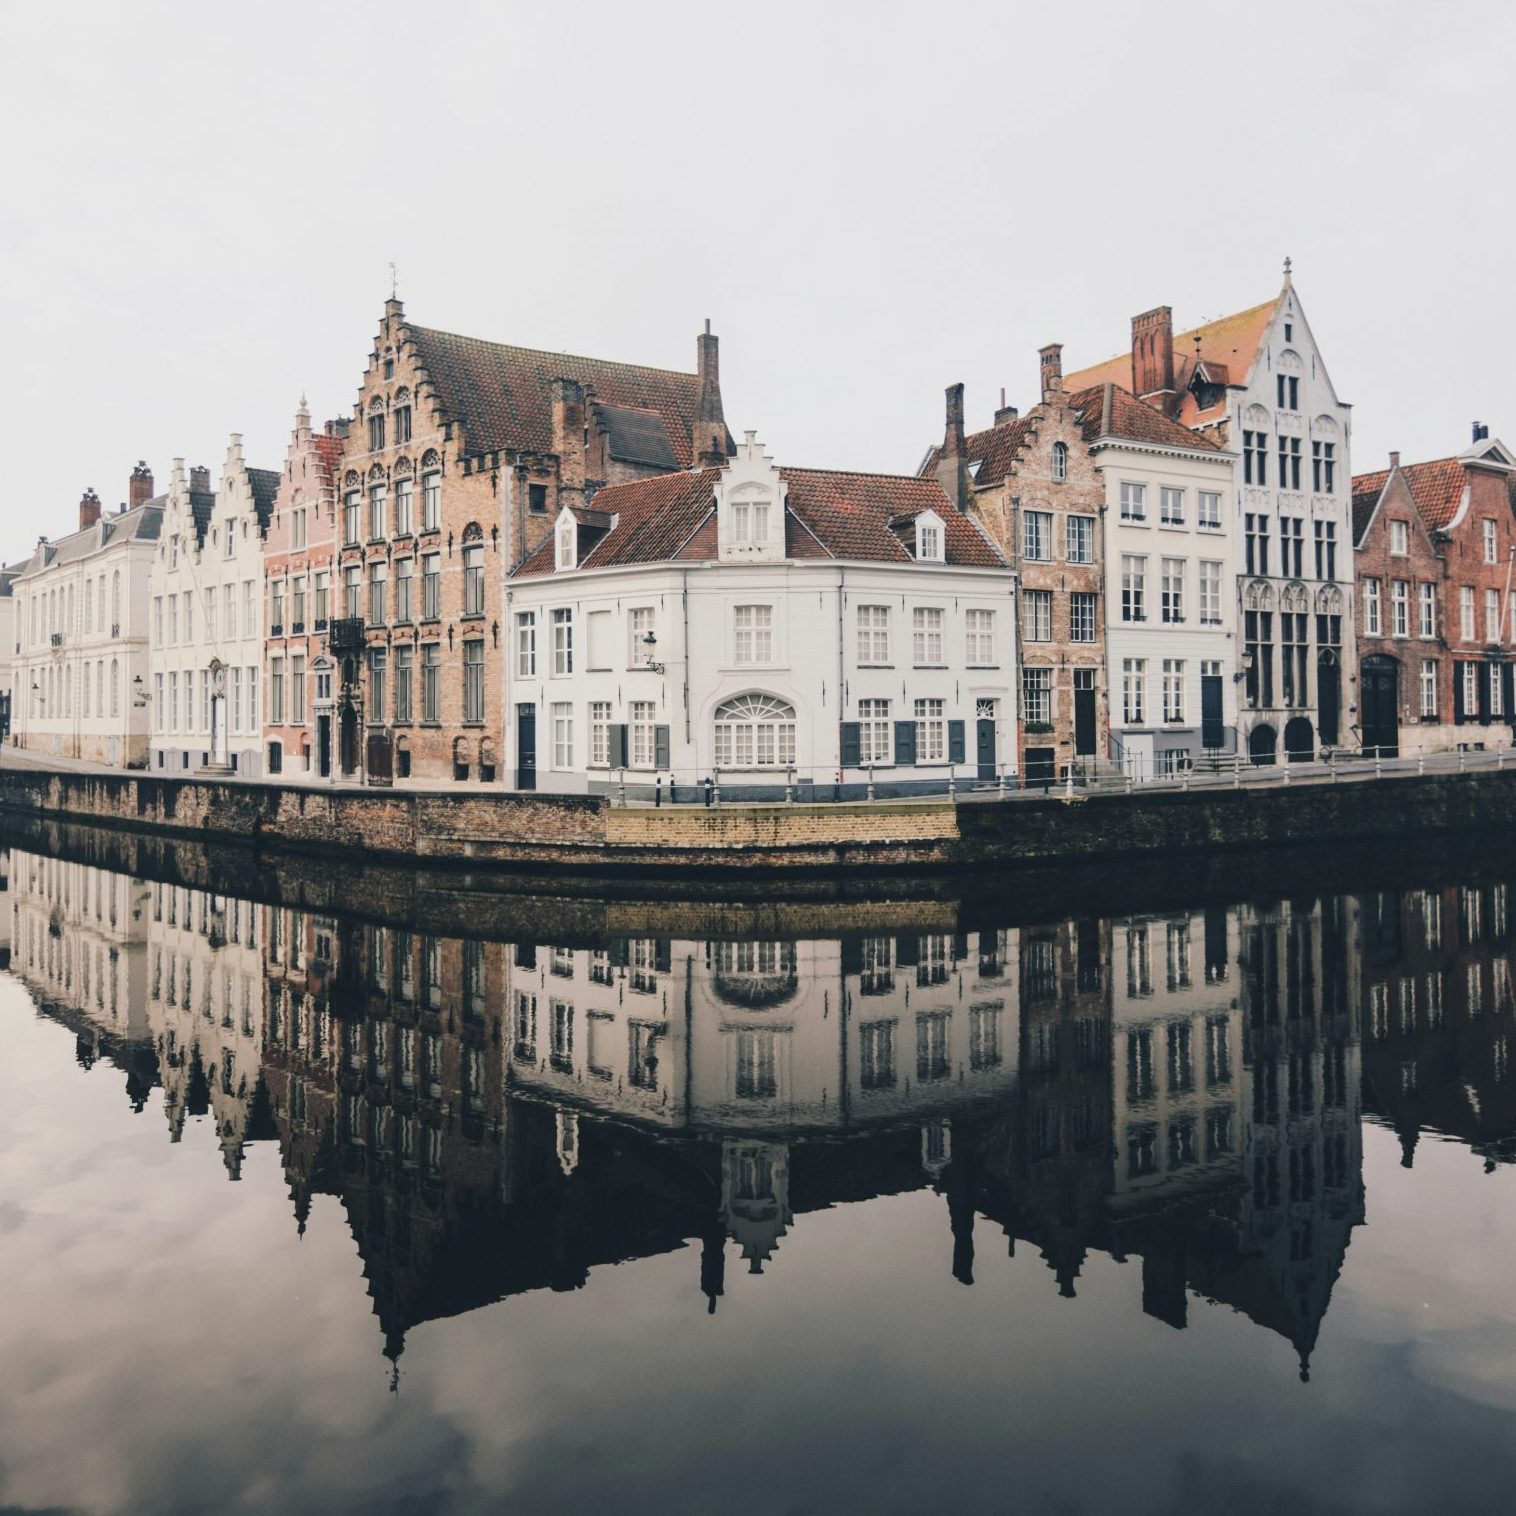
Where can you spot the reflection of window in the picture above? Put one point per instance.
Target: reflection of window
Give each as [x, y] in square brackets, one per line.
[1141, 1152]
[932, 1045]
[1218, 1052]
[1181, 1064]
[876, 1055]
[932, 960]
[525, 1031]
[877, 959]
[755, 1065]
[642, 1055]
[1140, 1084]
[599, 1029]
[563, 1036]
[984, 1036]
[755, 974]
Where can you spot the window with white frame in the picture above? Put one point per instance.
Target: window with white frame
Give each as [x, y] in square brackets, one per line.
[1208, 510]
[1079, 535]
[1400, 607]
[1134, 691]
[874, 731]
[1171, 606]
[873, 634]
[1372, 625]
[750, 519]
[1400, 538]
[753, 633]
[563, 642]
[1426, 599]
[1210, 592]
[1037, 536]
[643, 733]
[931, 731]
[1466, 612]
[929, 540]
[473, 580]
[431, 502]
[1038, 615]
[640, 633]
[526, 644]
[1134, 502]
[1060, 460]
[1470, 687]
[1134, 587]
[600, 733]
[755, 731]
[1492, 615]
[1037, 695]
[1497, 691]
[563, 736]
[404, 490]
[1173, 691]
[1082, 607]
[979, 638]
[1171, 506]
[565, 544]
[1491, 548]
[926, 636]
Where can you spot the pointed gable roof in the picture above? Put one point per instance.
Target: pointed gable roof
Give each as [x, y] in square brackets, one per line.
[502, 395]
[1436, 487]
[1108, 410]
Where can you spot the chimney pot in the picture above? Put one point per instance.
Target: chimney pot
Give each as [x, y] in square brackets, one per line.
[1481, 431]
[952, 467]
[1394, 460]
[89, 509]
[140, 487]
[200, 480]
[1153, 358]
[1051, 358]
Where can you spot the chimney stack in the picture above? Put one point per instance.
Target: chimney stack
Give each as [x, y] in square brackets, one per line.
[1006, 412]
[200, 480]
[709, 439]
[568, 439]
[140, 488]
[1052, 369]
[1394, 461]
[89, 509]
[1153, 359]
[1481, 431]
[952, 466]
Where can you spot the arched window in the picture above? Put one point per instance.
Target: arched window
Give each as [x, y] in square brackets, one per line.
[115, 607]
[100, 687]
[115, 688]
[1060, 461]
[755, 731]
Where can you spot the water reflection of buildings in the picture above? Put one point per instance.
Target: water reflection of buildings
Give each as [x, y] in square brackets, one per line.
[493, 1118]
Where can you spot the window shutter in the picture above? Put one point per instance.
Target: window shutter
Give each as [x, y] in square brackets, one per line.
[661, 747]
[852, 955]
[907, 952]
[957, 748]
[662, 955]
[1486, 674]
[1506, 691]
[1459, 713]
[618, 745]
[905, 742]
[852, 745]
[619, 951]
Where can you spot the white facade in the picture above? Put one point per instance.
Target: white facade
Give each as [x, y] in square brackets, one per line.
[1171, 609]
[81, 643]
[758, 671]
[206, 609]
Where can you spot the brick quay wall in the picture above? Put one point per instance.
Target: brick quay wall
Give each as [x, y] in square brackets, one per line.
[586, 835]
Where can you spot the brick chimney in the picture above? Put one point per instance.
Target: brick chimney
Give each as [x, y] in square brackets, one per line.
[1005, 412]
[1052, 369]
[1153, 359]
[952, 465]
[568, 437]
[89, 509]
[1394, 461]
[200, 480]
[139, 489]
[709, 439]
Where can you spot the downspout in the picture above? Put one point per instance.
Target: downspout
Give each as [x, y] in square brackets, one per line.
[841, 586]
[684, 606]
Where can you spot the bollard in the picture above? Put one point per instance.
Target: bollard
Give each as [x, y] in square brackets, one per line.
[1286, 768]
[1237, 772]
[658, 792]
[1068, 781]
[871, 782]
[1378, 764]
[621, 789]
[1460, 760]
[1421, 762]
[789, 786]
[710, 791]
[952, 785]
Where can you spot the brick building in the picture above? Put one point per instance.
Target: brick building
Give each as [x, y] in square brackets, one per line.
[461, 454]
[299, 566]
[1435, 545]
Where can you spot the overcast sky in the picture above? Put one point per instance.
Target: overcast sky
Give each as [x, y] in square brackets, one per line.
[202, 202]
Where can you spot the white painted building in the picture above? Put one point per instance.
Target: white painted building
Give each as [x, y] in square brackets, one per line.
[765, 629]
[1171, 605]
[81, 638]
[206, 627]
[1255, 382]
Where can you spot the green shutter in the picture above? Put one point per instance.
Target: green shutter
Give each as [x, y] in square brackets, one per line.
[661, 747]
[905, 742]
[957, 748]
[618, 745]
[852, 745]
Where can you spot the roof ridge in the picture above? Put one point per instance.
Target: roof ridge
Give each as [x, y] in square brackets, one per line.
[854, 473]
[548, 352]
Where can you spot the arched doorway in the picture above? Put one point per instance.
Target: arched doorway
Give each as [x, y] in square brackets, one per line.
[1262, 743]
[1328, 697]
[1299, 740]
[218, 712]
[1380, 679]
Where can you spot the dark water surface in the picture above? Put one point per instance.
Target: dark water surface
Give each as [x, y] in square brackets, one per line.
[468, 1202]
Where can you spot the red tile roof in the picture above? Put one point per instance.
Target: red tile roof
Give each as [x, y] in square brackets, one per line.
[503, 394]
[1437, 488]
[671, 518]
[1107, 410]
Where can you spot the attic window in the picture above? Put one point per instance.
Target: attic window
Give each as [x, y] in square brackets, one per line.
[929, 539]
[750, 520]
[1060, 461]
[1289, 331]
[975, 467]
[565, 558]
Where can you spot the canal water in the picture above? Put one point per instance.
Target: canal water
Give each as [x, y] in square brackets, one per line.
[985, 1198]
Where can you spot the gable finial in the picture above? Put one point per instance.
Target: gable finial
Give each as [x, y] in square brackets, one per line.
[1288, 265]
[394, 283]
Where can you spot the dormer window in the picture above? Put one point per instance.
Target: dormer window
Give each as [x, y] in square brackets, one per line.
[750, 519]
[929, 538]
[1060, 461]
[566, 556]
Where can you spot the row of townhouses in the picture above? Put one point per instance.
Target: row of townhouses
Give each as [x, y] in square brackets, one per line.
[521, 569]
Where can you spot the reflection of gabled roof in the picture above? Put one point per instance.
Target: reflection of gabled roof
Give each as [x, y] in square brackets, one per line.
[829, 515]
[503, 394]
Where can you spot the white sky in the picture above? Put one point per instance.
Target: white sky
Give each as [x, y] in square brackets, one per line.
[869, 202]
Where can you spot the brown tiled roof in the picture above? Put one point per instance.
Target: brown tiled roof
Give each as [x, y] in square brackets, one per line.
[1436, 487]
[503, 394]
[1107, 410]
[1231, 342]
[671, 518]
[1365, 498]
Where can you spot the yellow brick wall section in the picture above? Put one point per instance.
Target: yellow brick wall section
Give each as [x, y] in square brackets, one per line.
[779, 826]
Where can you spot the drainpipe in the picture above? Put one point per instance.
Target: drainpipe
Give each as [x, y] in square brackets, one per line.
[684, 607]
[837, 727]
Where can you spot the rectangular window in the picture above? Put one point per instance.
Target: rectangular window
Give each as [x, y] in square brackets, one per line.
[431, 502]
[297, 604]
[404, 571]
[1134, 587]
[1082, 616]
[276, 608]
[173, 620]
[404, 491]
[297, 527]
[404, 661]
[931, 732]
[1291, 545]
[1491, 549]
[979, 638]
[753, 633]
[926, 637]
[1079, 533]
[1492, 615]
[600, 733]
[1208, 513]
[1039, 615]
[873, 634]
[1255, 458]
[1173, 691]
[378, 574]
[352, 590]
[276, 691]
[644, 733]
[1400, 538]
[1426, 601]
[431, 687]
[1497, 690]
[189, 616]
[1326, 549]
[1134, 502]
[1466, 612]
[1470, 688]
[376, 431]
[1293, 653]
[378, 677]
[1323, 467]
[297, 690]
[1372, 624]
[1172, 604]
[526, 644]
[1256, 544]
[642, 639]
[1134, 693]
[1037, 695]
[1400, 607]
[473, 580]
[1210, 593]
[1171, 507]
[563, 736]
[1289, 463]
[473, 679]
[563, 642]
[431, 587]
[1258, 655]
[236, 721]
[323, 598]
[874, 731]
[173, 702]
[1037, 536]
[378, 512]
[1289, 392]
[402, 424]
[352, 516]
